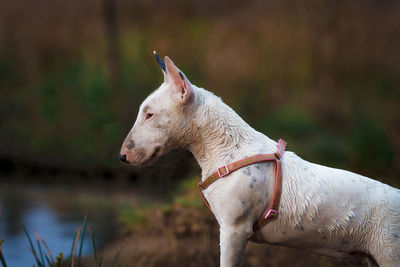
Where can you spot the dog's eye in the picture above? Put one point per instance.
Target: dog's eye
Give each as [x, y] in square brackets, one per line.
[149, 115]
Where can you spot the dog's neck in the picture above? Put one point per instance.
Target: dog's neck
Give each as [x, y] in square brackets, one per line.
[222, 136]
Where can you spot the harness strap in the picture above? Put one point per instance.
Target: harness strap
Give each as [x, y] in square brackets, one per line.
[272, 210]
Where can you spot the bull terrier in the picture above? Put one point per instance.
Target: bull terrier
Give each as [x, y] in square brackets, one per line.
[325, 210]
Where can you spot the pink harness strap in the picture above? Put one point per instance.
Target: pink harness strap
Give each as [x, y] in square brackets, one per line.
[272, 210]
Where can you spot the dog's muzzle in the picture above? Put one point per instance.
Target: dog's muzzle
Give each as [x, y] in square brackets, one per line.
[123, 158]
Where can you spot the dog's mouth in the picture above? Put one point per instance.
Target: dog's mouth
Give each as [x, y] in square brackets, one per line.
[154, 156]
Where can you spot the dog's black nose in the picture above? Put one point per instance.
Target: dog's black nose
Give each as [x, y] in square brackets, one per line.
[123, 158]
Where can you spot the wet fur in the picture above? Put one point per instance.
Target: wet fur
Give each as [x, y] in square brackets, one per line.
[325, 210]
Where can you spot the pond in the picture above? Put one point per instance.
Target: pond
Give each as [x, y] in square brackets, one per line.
[55, 212]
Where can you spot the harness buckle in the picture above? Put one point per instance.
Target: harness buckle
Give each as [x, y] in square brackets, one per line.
[225, 170]
[271, 211]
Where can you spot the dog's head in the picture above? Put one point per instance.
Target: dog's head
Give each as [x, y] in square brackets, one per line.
[161, 120]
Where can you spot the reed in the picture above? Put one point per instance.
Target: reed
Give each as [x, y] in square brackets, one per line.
[75, 246]
[33, 250]
[96, 262]
[2, 260]
[48, 252]
[82, 239]
[72, 248]
[39, 247]
[44, 257]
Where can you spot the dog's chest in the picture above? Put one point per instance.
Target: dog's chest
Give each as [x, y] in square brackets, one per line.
[243, 195]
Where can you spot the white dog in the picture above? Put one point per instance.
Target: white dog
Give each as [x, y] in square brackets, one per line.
[325, 210]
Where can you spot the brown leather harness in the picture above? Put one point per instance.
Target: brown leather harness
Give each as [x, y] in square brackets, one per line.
[271, 210]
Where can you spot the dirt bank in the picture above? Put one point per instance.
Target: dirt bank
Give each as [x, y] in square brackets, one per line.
[187, 235]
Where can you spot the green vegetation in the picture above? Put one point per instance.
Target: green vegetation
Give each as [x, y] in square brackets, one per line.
[131, 215]
[44, 257]
[317, 77]
[185, 195]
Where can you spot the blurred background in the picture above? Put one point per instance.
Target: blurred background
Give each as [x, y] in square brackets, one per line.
[323, 75]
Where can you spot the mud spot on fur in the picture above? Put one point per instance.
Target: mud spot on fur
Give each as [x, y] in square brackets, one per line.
[257, 167]
[243, 216]
[251, 185]
[253, 178]
[395, 236]
[247, 171]
[131, 144]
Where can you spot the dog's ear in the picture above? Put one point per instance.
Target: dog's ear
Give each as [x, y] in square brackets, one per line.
[182, 84]
[161, 63]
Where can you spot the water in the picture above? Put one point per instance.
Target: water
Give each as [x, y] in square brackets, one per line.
[55, 213]
[57, 234]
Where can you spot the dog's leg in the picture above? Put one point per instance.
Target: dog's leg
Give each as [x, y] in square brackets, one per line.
[233, 241]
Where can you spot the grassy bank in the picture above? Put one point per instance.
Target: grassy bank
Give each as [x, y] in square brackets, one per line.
[183, 232]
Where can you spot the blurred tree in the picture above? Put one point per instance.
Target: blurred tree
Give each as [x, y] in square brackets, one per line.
[72, 74]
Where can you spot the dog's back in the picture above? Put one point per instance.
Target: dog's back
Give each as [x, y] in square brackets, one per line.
[336, 213]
